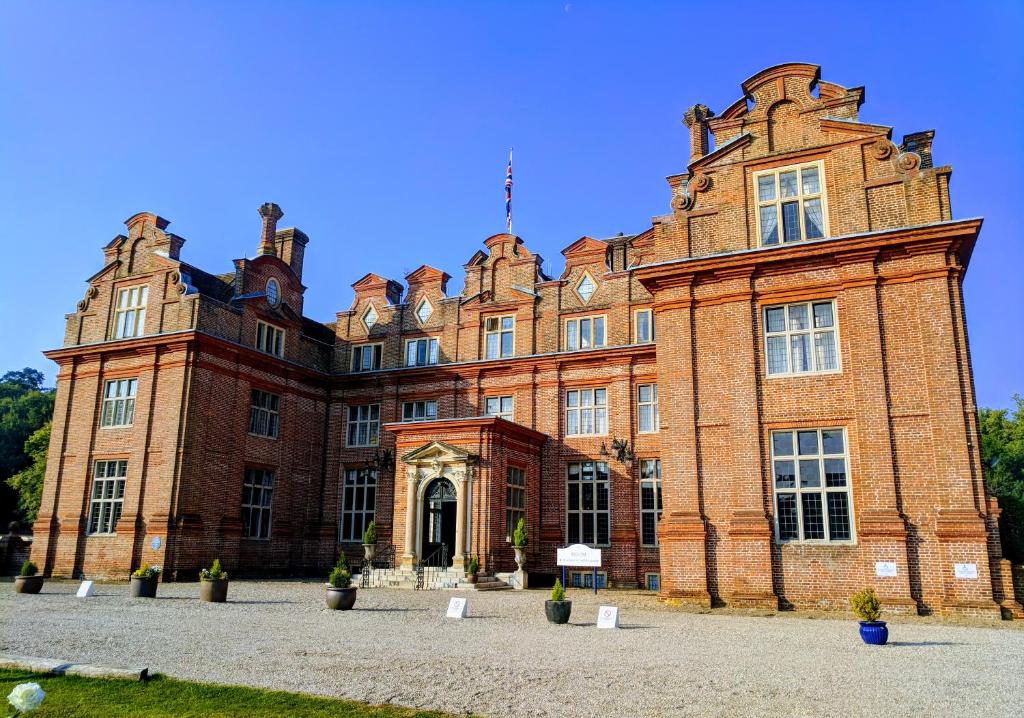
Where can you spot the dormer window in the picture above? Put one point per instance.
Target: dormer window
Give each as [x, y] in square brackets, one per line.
[424, 311]
[370, 318]
[586, 288]
[130, 313]
[270, 339]
[499, 336]
[791, 204]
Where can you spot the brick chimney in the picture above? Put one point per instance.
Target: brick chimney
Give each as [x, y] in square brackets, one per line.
[291, 246]
[696, 119]
[270, 213]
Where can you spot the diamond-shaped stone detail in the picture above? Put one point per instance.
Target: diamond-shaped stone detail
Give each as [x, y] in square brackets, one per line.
[370, 318]
[586, 288]
[423, 311]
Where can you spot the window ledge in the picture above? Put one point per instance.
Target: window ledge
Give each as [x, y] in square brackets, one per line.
[804, 374]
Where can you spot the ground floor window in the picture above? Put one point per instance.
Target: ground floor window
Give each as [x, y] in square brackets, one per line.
[257, 496]
[650, 501]
[587, 505]
[585, 579]
[812, 486]
[515, 499]
[359, 501]
[107, 496]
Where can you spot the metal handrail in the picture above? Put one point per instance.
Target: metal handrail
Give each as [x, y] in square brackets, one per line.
[428, 568]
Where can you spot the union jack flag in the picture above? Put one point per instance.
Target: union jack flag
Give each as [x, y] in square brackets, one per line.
[508, 194]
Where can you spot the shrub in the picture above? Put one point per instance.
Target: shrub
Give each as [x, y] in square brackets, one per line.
[866, 605]
[214, 573]
[370, 536]
[341, 576]
[558, 593]
[519, 535]
[28, 569]
[147, 571]
[473, 566]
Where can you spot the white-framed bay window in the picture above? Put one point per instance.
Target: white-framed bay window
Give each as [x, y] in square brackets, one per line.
[584, 332]
[791, 203]
[586, 412]
[811, 482]
[363, 425]
[801, 338]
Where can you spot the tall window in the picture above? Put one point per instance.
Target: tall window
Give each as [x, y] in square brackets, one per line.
[257, 496]
[130, 312]
[812, 486]
[515, 499]
[419, 410]
[367, 357]
[650, 501]
[644, 326]
[269, 339]
[107, 496]
[584, 333]
[421, 352]
[363, 425]
[359, 500]
[118, 402]
[586, 412]
[647, 408]
[800, 338]
[790, 204]
[588, 518]
[500, 406]
[499, 336]
[263, 412]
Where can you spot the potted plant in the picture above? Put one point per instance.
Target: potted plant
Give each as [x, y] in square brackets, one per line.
[144, 581]
[519, 543]
[558, 609]
[341, 594]
[868, 608]
[27, 580]
[471, 569]
[213, 582]
[370, 541]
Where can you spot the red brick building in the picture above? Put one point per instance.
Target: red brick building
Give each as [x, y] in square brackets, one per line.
[763, 398]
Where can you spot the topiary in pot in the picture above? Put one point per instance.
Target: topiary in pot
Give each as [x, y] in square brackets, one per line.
[472, 567]
[370, 541]
[213, 583]
[868, 609]
[144, 581]
[27, 580]
[519, 542]
[341, 594]
[558, 609]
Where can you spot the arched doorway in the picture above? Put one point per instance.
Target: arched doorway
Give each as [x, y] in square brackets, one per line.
[439, 516]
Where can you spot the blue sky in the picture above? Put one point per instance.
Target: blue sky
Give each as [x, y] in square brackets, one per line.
[383, 130]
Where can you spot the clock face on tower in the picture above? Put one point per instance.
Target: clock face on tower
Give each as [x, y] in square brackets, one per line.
[273, 293]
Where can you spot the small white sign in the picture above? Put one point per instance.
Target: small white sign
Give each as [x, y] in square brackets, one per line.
[885, 569]
[965, 570]
[86, 590]
[579, 556]
[155, 543]
[458, 608]
[608, 617]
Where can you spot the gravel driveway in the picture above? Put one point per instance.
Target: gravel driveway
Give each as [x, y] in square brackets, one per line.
[505, 660]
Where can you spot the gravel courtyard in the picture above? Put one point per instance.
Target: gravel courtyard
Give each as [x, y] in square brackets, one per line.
[505, 660]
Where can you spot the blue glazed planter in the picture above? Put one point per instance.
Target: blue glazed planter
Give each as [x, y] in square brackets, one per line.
[874, 633]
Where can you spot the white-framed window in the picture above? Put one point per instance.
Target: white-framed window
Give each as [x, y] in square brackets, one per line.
[643, 326]
[421, 352]
[263, 413]
[584, 333]
[800, 338]
[424, 310]
[586, 412]
[811, 480]
[367, 357]
[588, 518]
[585, 579]
[499, 337]
[499, 406]
[515, 499]
[647, 421]
[257, 497]
[130, 312]
[358, 503]
[419, 410]
[370, 317]
[269, 339]
[791, 203]
[586, 287]
[652, 581]
[108, 479]
[363, 425]
[118, 403]
[650, 501]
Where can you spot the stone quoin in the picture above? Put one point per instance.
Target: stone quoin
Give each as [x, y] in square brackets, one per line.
[756, 400]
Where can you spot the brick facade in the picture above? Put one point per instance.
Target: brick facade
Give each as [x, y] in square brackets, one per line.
[890, 259]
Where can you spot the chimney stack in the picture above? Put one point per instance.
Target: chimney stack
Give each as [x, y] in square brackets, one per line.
[270, 213]
[696, 119]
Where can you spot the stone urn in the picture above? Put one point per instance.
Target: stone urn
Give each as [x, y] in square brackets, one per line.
[520, 556]
[28, 584]
[341, 599]
[143, 587]
[213, 590]
[369, 551]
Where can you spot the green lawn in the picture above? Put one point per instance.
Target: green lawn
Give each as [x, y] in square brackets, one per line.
[75, 697]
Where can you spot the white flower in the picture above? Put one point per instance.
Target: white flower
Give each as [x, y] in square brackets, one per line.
[26, 697]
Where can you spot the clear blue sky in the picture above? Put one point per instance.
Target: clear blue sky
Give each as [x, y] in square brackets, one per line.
[383, 129]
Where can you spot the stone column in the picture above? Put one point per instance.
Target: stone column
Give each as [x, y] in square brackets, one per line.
[461, 510]
[409, 556]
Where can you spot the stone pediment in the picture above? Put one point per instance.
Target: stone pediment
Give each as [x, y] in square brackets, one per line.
[436, 452]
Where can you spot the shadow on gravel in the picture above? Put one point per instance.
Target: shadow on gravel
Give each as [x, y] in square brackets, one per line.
[393, 610]
[244, 603]
[911, 644]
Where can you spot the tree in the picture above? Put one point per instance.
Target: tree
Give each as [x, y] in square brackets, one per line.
[25, 406]
[1002, 460]
[29, 481]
